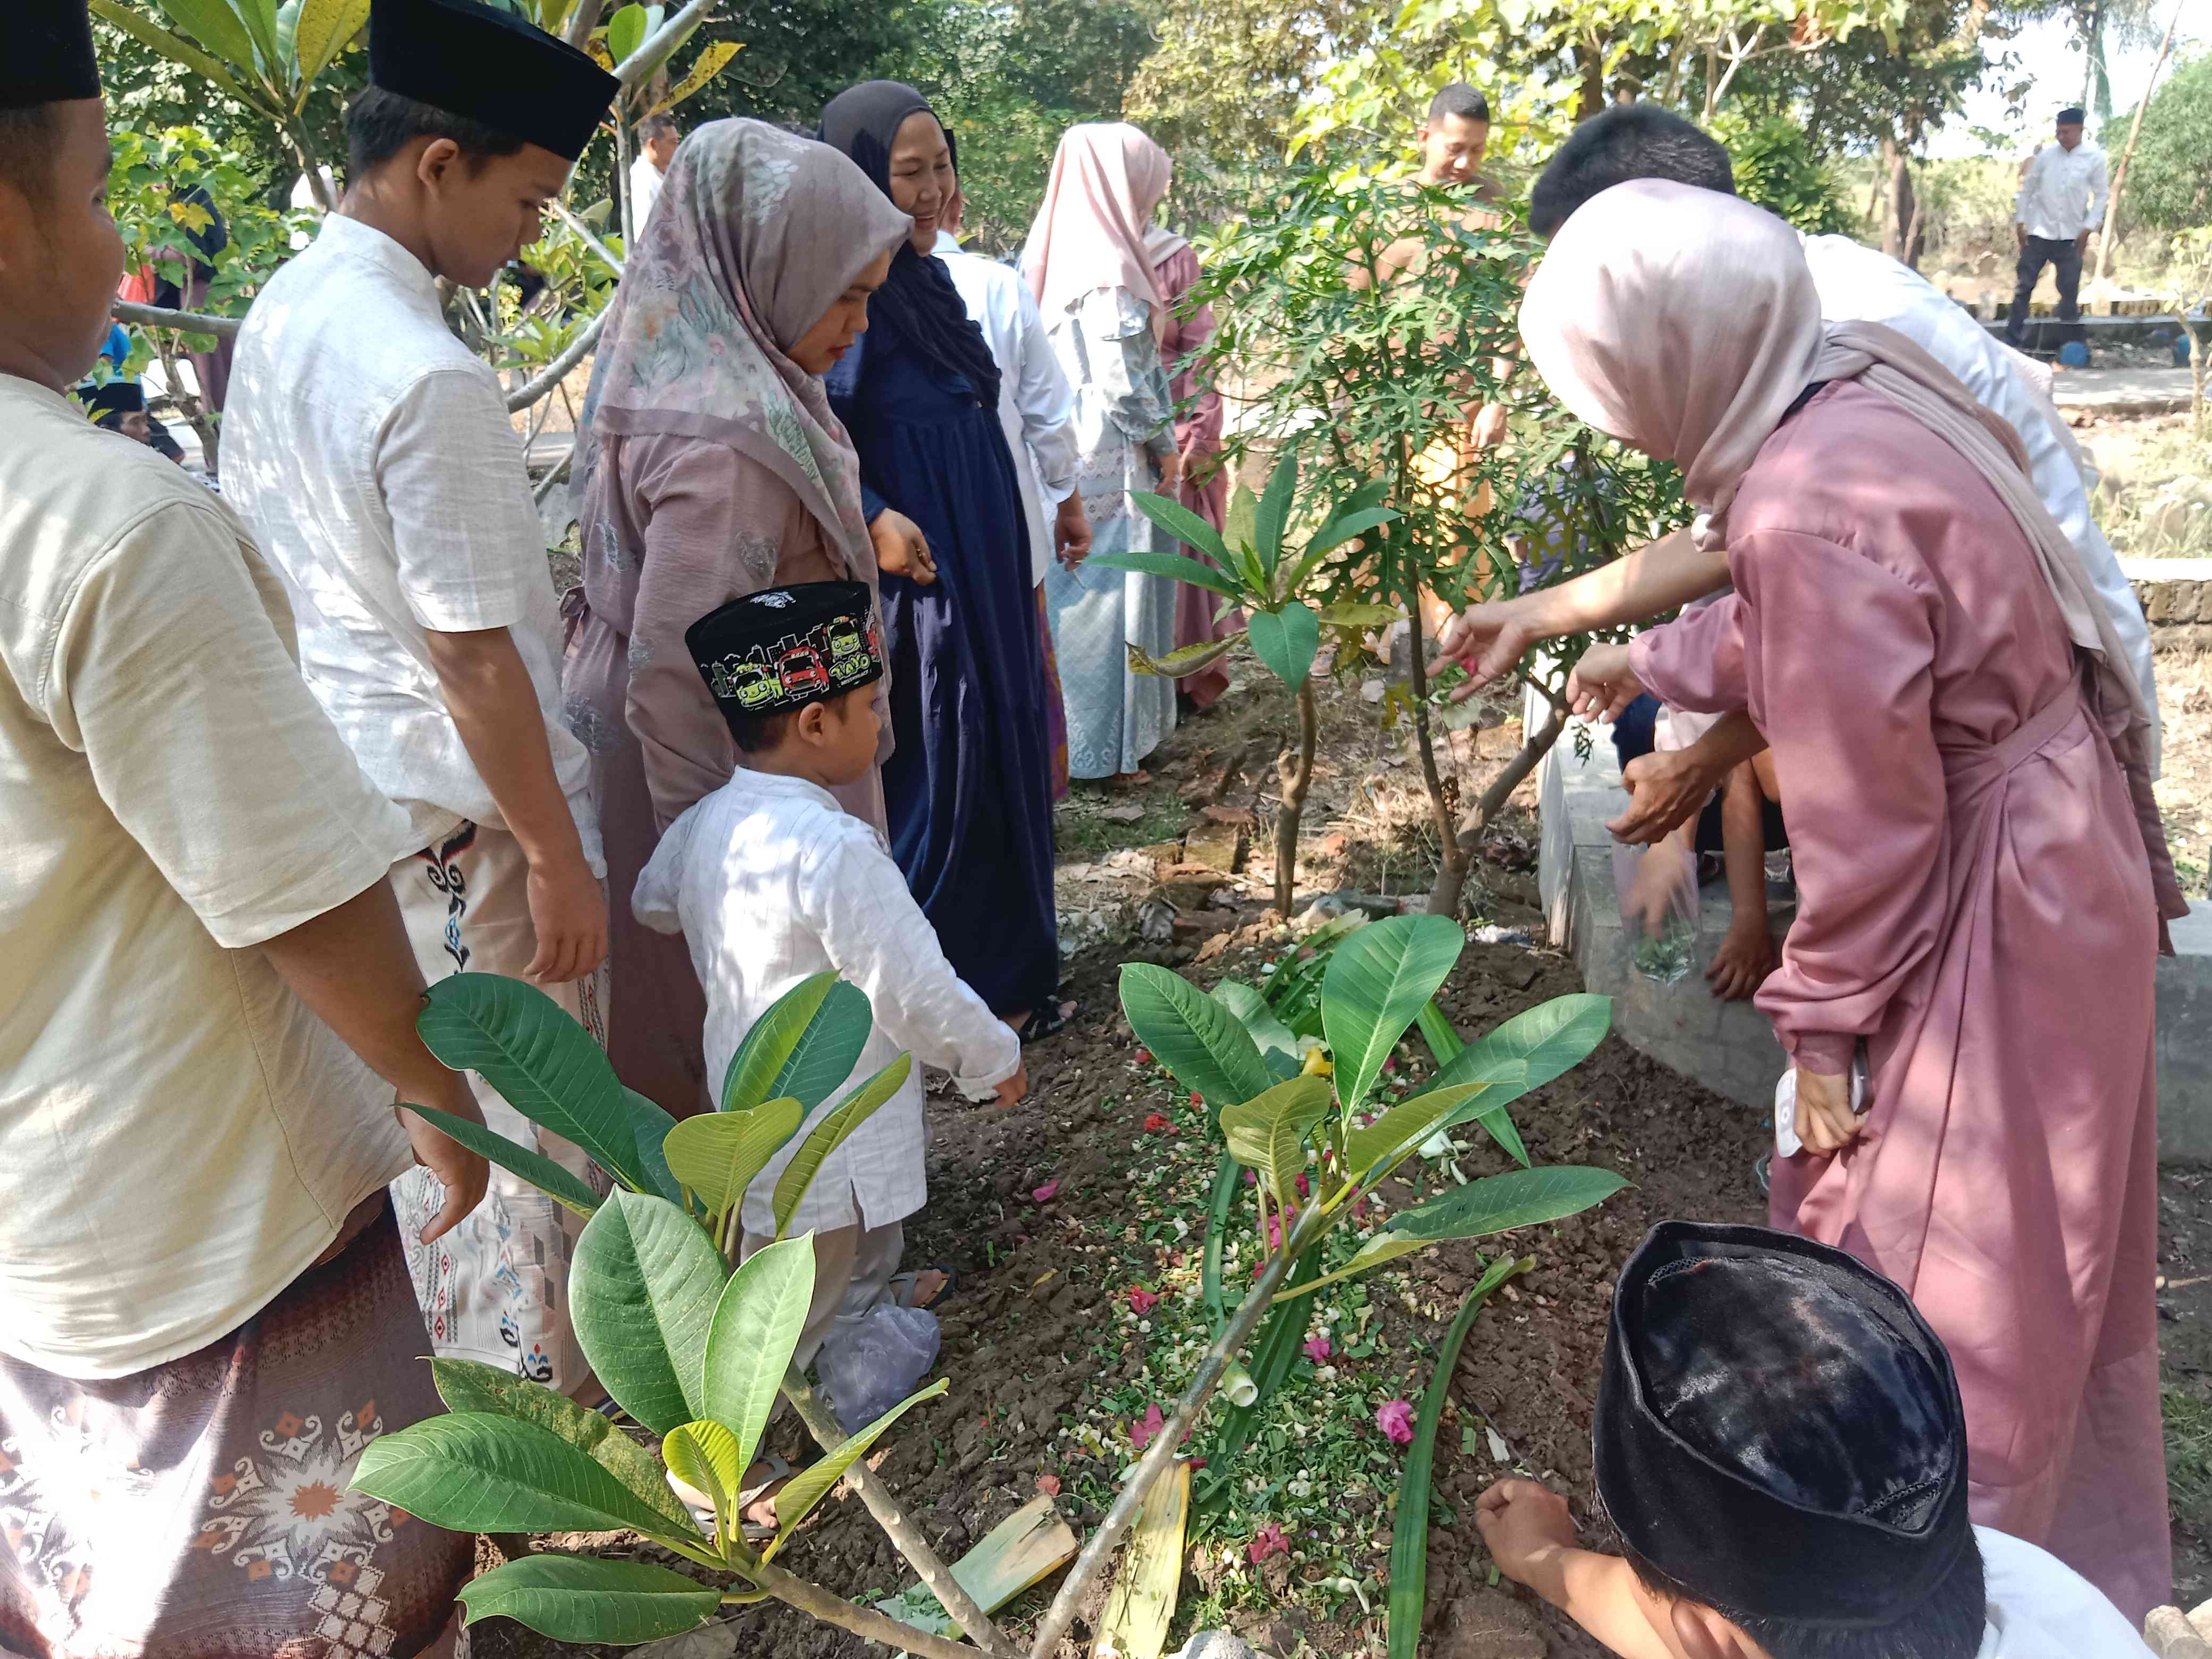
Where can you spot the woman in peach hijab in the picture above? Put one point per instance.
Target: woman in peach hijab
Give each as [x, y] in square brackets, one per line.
[1982, 876]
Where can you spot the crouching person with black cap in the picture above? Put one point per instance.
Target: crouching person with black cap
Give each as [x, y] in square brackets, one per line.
[771, 880]
[374, 453]
[1779, 1443]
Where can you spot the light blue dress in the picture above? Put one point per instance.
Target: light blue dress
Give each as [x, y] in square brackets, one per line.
[1124, 421]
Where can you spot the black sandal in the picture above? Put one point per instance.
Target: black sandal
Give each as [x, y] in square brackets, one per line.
[1051, 1020]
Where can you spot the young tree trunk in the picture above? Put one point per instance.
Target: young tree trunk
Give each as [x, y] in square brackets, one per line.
[1898, 219]
[193, 409]
[2200, 338]
[2134, 132]
[1453, 867]
[1294, 767]
[1451, 881]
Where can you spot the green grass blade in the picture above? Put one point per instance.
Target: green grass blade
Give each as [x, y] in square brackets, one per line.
[1409, 1526]
[1217, 1227]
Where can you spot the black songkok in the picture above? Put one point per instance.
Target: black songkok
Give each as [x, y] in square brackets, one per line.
[117, 397]
[2069, 117]
[48, 59]
[488, 66]
[784, 647]
[1778, 1430]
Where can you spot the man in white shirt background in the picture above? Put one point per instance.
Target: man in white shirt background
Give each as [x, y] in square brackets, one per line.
[658, 136]
[2060, 205]
[374, 454]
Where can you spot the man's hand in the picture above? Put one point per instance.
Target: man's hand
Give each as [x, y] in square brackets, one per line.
[1666, 789]
[1826, 1122]
[2020, 236]
[901, 548]
[1742, 964]
[1603, 684]
[1488, 640]
[1523, 1524]
[1169, 467]
[1012, 1090]
[1070, 533]
[1487, 430]
[569, 914]
[2081, 243]
[464, 1175]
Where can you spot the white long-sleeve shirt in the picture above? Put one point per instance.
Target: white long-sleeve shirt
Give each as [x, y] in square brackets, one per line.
[1858, 285]
[2063, 193]
[646, 181]
[1036, 406]
[771, 880]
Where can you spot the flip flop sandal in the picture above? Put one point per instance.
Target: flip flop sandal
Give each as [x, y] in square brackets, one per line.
[903, 1287]
[1052, 1019]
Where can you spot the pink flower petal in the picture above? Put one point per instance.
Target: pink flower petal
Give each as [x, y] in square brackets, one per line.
[1268, 1540]
[1141, 1431]
[1318, 1350]
[1142, 1300]
[1048, 1485]
[1396, 1418]
[1047, 1193]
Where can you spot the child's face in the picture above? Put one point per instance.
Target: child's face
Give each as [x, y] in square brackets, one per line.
[843, 735]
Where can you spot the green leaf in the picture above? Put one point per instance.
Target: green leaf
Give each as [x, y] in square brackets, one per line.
[811, 1485]
[587, 1598]
[704, 1455]
[650, 1126]
[1217, 1225]
[1519, 1198]
[643, 1295]
[466, 1385]
[487, 1472]
[757, 1327]
[1251, 1008]
[178, 50]
[803, 1045]
[626, 32]
[1286, 640]
[1204, 1045]
[1186, 526]
[717, 1154]
[526, 1045]
[1240, 521]
[1176, 566]
[1185, 660]
[1360, 616]
[827, 1136]
[534, 1167]
[1334, 534]
[323, 29]
[1274, 515]
[1269, 1131]
[217, 26]
[1525, 1053]
[1377, 982]
[1403, 1128]
[1409, 1523]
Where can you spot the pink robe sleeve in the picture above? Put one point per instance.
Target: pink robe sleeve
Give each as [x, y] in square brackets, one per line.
[1198, 419]
[1838, 657]
[714, 534]
[1696, 661]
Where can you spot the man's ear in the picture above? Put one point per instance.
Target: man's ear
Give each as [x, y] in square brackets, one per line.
[436, 163]
[1702, 1633]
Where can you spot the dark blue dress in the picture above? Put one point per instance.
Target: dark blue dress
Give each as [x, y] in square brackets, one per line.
[969, 786]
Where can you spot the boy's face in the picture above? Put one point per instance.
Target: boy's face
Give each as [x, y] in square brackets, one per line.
[480, 213]
[61, 256]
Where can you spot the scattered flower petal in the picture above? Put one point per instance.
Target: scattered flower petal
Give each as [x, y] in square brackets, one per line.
[1268, 1540]
[1144, 1057]
[1142, 1299]
[1197, 1100]
[1396, 1418]
[1142, 1431]
[1156, 1121]
[1305, 1188]
[1047, 1193]
[1318, 1350]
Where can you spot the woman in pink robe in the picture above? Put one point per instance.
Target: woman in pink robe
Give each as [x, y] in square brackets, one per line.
[1980, 904]
[1204, 488]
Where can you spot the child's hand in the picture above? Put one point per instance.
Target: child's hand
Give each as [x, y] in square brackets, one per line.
[1742, 964]
[901, 548]
[1013, 1089]
[1521, 1523]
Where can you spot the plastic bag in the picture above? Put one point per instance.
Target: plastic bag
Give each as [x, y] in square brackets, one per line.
[869, 1366]
[1658, 890]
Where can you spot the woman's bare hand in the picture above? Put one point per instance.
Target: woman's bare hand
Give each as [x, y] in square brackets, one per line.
[1826, 1122]
[901, 548]
[1603, 684]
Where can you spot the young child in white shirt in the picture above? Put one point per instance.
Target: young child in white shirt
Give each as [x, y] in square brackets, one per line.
[771, 880]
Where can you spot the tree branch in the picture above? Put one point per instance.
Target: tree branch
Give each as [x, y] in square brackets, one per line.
[637, 69]
[1119, 1519]
[905, 1537]
[186, 322]
[559, 369]
[797, 1592]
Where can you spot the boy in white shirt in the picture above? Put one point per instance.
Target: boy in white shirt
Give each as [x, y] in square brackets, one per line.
[1780, 1446]
[374, 454]
[771, 881]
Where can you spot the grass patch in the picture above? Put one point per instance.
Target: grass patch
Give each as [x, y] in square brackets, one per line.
[2161, 509]
[2189, 1459]
[1085, 833]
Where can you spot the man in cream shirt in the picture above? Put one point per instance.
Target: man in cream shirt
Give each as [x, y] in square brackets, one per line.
[202, 973]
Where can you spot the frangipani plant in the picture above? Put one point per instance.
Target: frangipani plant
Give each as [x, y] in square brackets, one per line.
[1254, 569]
[691, 1345]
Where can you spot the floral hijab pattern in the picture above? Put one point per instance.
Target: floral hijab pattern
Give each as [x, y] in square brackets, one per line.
[756, 235]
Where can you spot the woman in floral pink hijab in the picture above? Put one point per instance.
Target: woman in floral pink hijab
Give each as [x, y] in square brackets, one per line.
[711, 467]
[1980, 890]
